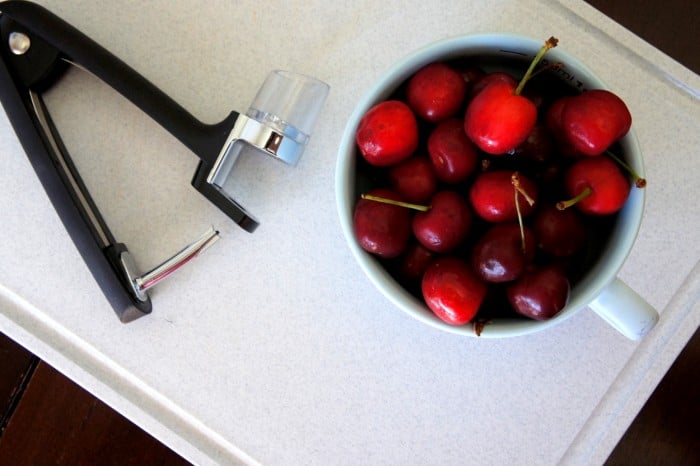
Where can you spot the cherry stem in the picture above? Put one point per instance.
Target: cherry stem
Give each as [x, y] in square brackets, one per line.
[587, 191]
[370, 197]
[523, 246]
[638, 180]
[548, 44]
[515, 181]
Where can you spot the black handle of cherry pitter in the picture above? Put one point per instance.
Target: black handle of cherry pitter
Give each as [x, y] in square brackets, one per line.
[205, 140]
[36, 45]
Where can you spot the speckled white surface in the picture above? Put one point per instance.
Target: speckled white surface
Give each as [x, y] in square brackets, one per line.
[273, 347]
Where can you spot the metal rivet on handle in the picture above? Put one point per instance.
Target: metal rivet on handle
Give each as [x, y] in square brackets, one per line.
[19, 43]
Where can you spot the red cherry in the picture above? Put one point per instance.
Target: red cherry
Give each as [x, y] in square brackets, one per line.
[594, 120]
[499, 256]
[560, 233]
[553, 121]
[490, 78]
[387, 133]
[492, 196]
[553, 116]
[414, 179]
[436, 92]
[451, 152]
[538, 146]
[380, 228]
[414, 262]
[540, 293]
[452, 291]
[445, 225]
[498, 120]
[470, 74]
[596, 185]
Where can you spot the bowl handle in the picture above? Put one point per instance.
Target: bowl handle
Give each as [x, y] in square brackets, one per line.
[621, 306]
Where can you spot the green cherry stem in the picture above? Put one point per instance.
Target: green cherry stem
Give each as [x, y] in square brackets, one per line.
[587, 191]
[370, 197]
[638, 180]
[548, 44]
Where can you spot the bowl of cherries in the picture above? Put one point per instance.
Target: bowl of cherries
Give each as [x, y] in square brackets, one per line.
[492, 186]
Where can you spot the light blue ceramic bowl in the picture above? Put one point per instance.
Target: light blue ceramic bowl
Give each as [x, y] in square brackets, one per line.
[600, 288]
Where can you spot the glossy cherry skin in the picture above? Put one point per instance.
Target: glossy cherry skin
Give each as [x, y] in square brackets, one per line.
[490, 78]
[382, 229]
[436, 92]
[414, 179]
[499, 257]
[452, 153]
[492, 196]
[452, 290]
[387, 133]
[446, 224]
[540, 293]
[497, 120]
[553, 121]
[560, 233]
[610, 188]
[594, 120]
[553, 116]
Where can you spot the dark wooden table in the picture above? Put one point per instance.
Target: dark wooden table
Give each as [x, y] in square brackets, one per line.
[47, 419]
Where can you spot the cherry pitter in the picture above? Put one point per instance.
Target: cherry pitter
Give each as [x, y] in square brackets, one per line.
[37, 48]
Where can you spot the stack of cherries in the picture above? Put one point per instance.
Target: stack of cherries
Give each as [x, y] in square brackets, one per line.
[486, 197]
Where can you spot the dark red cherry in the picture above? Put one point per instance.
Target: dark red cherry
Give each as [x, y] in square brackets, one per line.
[594, 120]
[500, 254]
[446, 224]
[414, 179]
[553, 121]
[540, 293]
[380, 228]
[560, 233]
[414, 262]
[436, 92]
[471, 75]
[539, 145]
[452, 153]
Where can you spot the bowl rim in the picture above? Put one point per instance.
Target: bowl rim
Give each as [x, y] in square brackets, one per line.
[585, 291]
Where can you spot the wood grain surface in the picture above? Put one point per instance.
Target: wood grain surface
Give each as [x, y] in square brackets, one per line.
[58, 423]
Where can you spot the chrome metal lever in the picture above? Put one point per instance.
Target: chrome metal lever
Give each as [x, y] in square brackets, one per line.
[140, 284]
